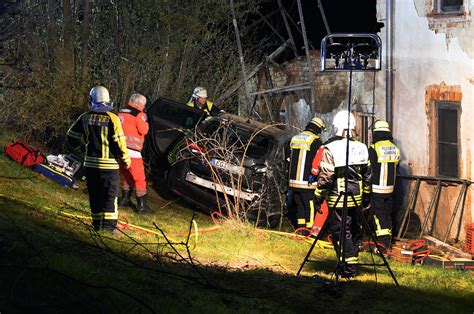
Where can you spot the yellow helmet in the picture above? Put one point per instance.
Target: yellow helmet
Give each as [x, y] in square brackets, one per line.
[317, 121]
[381, 125]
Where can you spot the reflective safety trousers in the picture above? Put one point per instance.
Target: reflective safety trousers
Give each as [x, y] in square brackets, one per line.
[331, 178]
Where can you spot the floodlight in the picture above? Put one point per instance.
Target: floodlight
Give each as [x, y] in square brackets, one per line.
[351, 52]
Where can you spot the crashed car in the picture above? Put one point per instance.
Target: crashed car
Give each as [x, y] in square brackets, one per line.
[227, 164]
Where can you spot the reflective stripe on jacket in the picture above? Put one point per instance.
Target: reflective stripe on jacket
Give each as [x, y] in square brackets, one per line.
[207, 107]
[104, 139]
[331, 178]
[384, 157]
[135, 126]
[303, 149]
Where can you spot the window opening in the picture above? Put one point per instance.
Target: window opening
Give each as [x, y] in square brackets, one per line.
[447, 139]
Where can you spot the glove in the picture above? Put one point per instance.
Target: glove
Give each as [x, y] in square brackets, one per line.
[311, 179]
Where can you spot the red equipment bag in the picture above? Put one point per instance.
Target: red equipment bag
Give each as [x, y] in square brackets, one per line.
[24, 154]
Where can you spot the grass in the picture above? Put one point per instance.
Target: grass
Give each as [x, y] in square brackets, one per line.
[58, 264]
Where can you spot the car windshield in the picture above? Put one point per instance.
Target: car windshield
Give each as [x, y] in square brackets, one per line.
[240, 138]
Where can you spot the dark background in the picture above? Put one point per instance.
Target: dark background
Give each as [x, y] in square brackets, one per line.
[343, 16]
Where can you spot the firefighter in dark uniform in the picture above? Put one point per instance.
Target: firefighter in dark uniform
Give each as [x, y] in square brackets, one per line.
[101, 132]
[199, 101]
[384, 157]
[303, 149]
[331, 184]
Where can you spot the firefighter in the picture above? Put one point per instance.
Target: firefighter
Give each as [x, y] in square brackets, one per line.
[101, 132]
[135, 127]
[199, 101]
[303, 149]
[331, 187]
[384, 157]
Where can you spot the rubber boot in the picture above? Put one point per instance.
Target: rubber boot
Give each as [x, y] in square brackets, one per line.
[124, 200]
[142, 207]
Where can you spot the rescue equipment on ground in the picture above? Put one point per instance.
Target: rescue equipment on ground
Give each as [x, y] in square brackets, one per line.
[60, 168]
[410, 252]
[24, 154]
[55, 175]
[66, 164]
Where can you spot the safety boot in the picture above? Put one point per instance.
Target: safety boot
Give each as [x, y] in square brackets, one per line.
[142, 207]
[124, 200]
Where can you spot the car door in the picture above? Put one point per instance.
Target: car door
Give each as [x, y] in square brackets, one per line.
[168, 119]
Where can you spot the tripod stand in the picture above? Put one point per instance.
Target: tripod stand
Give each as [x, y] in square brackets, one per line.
[341, 263]
[354, 56]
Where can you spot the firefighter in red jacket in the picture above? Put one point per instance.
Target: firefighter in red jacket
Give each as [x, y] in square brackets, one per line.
[101, 132]
[135, 127]
[384, 157]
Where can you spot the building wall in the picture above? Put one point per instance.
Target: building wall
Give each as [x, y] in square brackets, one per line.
[433, 60]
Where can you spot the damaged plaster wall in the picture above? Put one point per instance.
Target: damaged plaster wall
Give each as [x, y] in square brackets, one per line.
[331, 92]
[453, 26]
[432, 51]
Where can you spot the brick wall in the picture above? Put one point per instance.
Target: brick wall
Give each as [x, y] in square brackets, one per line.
[331, 88]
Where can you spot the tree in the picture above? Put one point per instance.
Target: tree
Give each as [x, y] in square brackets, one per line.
[55, 51]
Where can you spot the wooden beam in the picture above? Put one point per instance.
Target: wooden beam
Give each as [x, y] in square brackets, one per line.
[306, 49]
[241, 55]
[279, 90]
[326, 25]
[288, 29]
[451, 249]
[254, 71]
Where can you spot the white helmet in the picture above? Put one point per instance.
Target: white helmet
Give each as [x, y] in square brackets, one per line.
[99, 99]
[342, 120]
[200, 92]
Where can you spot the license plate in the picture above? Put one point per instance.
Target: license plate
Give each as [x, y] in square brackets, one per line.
[224, 165]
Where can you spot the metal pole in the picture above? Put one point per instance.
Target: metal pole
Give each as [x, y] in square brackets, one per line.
[241, 55]
[306, 49]
[389, 63]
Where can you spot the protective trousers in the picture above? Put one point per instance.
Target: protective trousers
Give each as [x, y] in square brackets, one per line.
[353, 235]
[382, 219]
[103, 188]
[134, 177]
[305, 210]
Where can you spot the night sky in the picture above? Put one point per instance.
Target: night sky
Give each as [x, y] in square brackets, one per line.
[342, 16]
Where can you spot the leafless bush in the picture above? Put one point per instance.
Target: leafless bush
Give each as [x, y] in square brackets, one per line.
[242, 193]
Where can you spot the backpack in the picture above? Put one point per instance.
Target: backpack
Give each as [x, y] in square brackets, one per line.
[24, 154]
